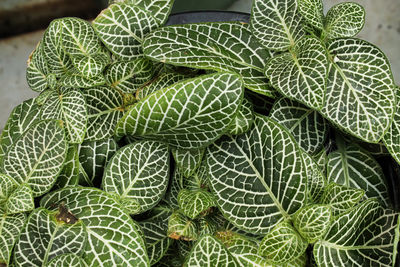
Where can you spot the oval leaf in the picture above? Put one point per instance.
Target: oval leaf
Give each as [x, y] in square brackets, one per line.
[20, 200]
[243, 120]
[11, 227]
[181, 227]
[187, 161]
[313, 12]
[193, 203]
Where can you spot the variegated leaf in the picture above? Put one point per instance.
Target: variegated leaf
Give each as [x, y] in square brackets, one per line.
[187, 115]
[161, 81]
[57, 59]
[392, 138]
[92, 65]
[21, 118]
[7, 186]
[193, 203]
[261, 103]
[276, 23]
[360, 96]
[344, 20]
[220, 46]
[187, 161]
[138, 174]
[282, 244]
[70, 107]
[208, 251]
[93, 156]
[316, 180]
[105, 109]
[181, 227]
[301, 73]
[66, 260]
[341, 198]
[72, 169]
[20, 200]
[313, 221]
[159, 9]
[36, 72]
[365, 236]
[45, 237]
[104, 219]
[307, 126]
[313, 12]
[76, 80]
[353, 167]
[177, 182]
[128, 76]
[243, 120]
[122, 27]
[259, 177]
[10, 229]
[37, 157]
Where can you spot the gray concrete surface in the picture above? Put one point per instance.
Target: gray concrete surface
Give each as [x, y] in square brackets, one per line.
[382, 28]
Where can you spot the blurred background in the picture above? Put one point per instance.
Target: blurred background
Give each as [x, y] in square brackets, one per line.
[22, 23]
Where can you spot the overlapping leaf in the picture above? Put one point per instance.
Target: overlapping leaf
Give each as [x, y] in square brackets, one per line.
[301, 73]
[344, 20]
[243, 120]
[188, 115]
[316, 180]
[360, 96]
[103, 219]
[91, 65]
[105, 109]
[276, 23]
[122, 27]
[392, 138]
[187, 161]
[177, 182]
[37, 70]
[307, 127]
[365, 236]
[72, 169]
[161, 81]
[313, 12]
[128, 76]
[44, 238]
[258, 177]
[20, 200]
[7, 186]
[221, 46]
[36, 158]
[193, 203]
[70, 107]
[10, 228]
[181, 227]
[282, 244]
[66, 260]
[138, 174]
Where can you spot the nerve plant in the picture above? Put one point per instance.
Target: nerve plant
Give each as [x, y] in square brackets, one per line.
[202, 144]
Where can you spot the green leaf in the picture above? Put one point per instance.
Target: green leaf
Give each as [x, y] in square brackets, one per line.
[72, 169]
[313, 221]
[78, 37]
[313, 12]
[45, 237]
[157, 241]
[353, 167]
[360, 96]
[220, 46]
[57, 59]
[365, 236]
[7, 186]
[181, 227]
[341, 198]
[177, 182]
[158, 83]
[76, 80]
[105, 109]
[243, 120]
[66, 260]
[187, 161]
[282, 244]
[128, 76]
[208, 251]
[138, 172]
[276, 23]
[70, 107]
[104, 219]
[122, 27]
[301, 73]
[307, 126]
[37, 71]
[92, 65]
[315, 178]
[193, 203]
[37, 157]
[261, 103]
[21, 118]
[20, 200]
[94, 155]
[392, 138]
[259, 177]
[10, 228]
[187, 115]
[344, 20]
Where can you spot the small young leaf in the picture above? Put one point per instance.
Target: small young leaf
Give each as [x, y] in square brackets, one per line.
[316, 179]
[313, 12]
[20, 200]
[341, 198]
[181, 227]
[92, 65]
[188, 115]
[313, 221]
[7, 186]
[243, 120]
[282, 244]
[344, 20]
[35, 75]
[187, 161]
[138, 172]
[276, 23]
[193, 203]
